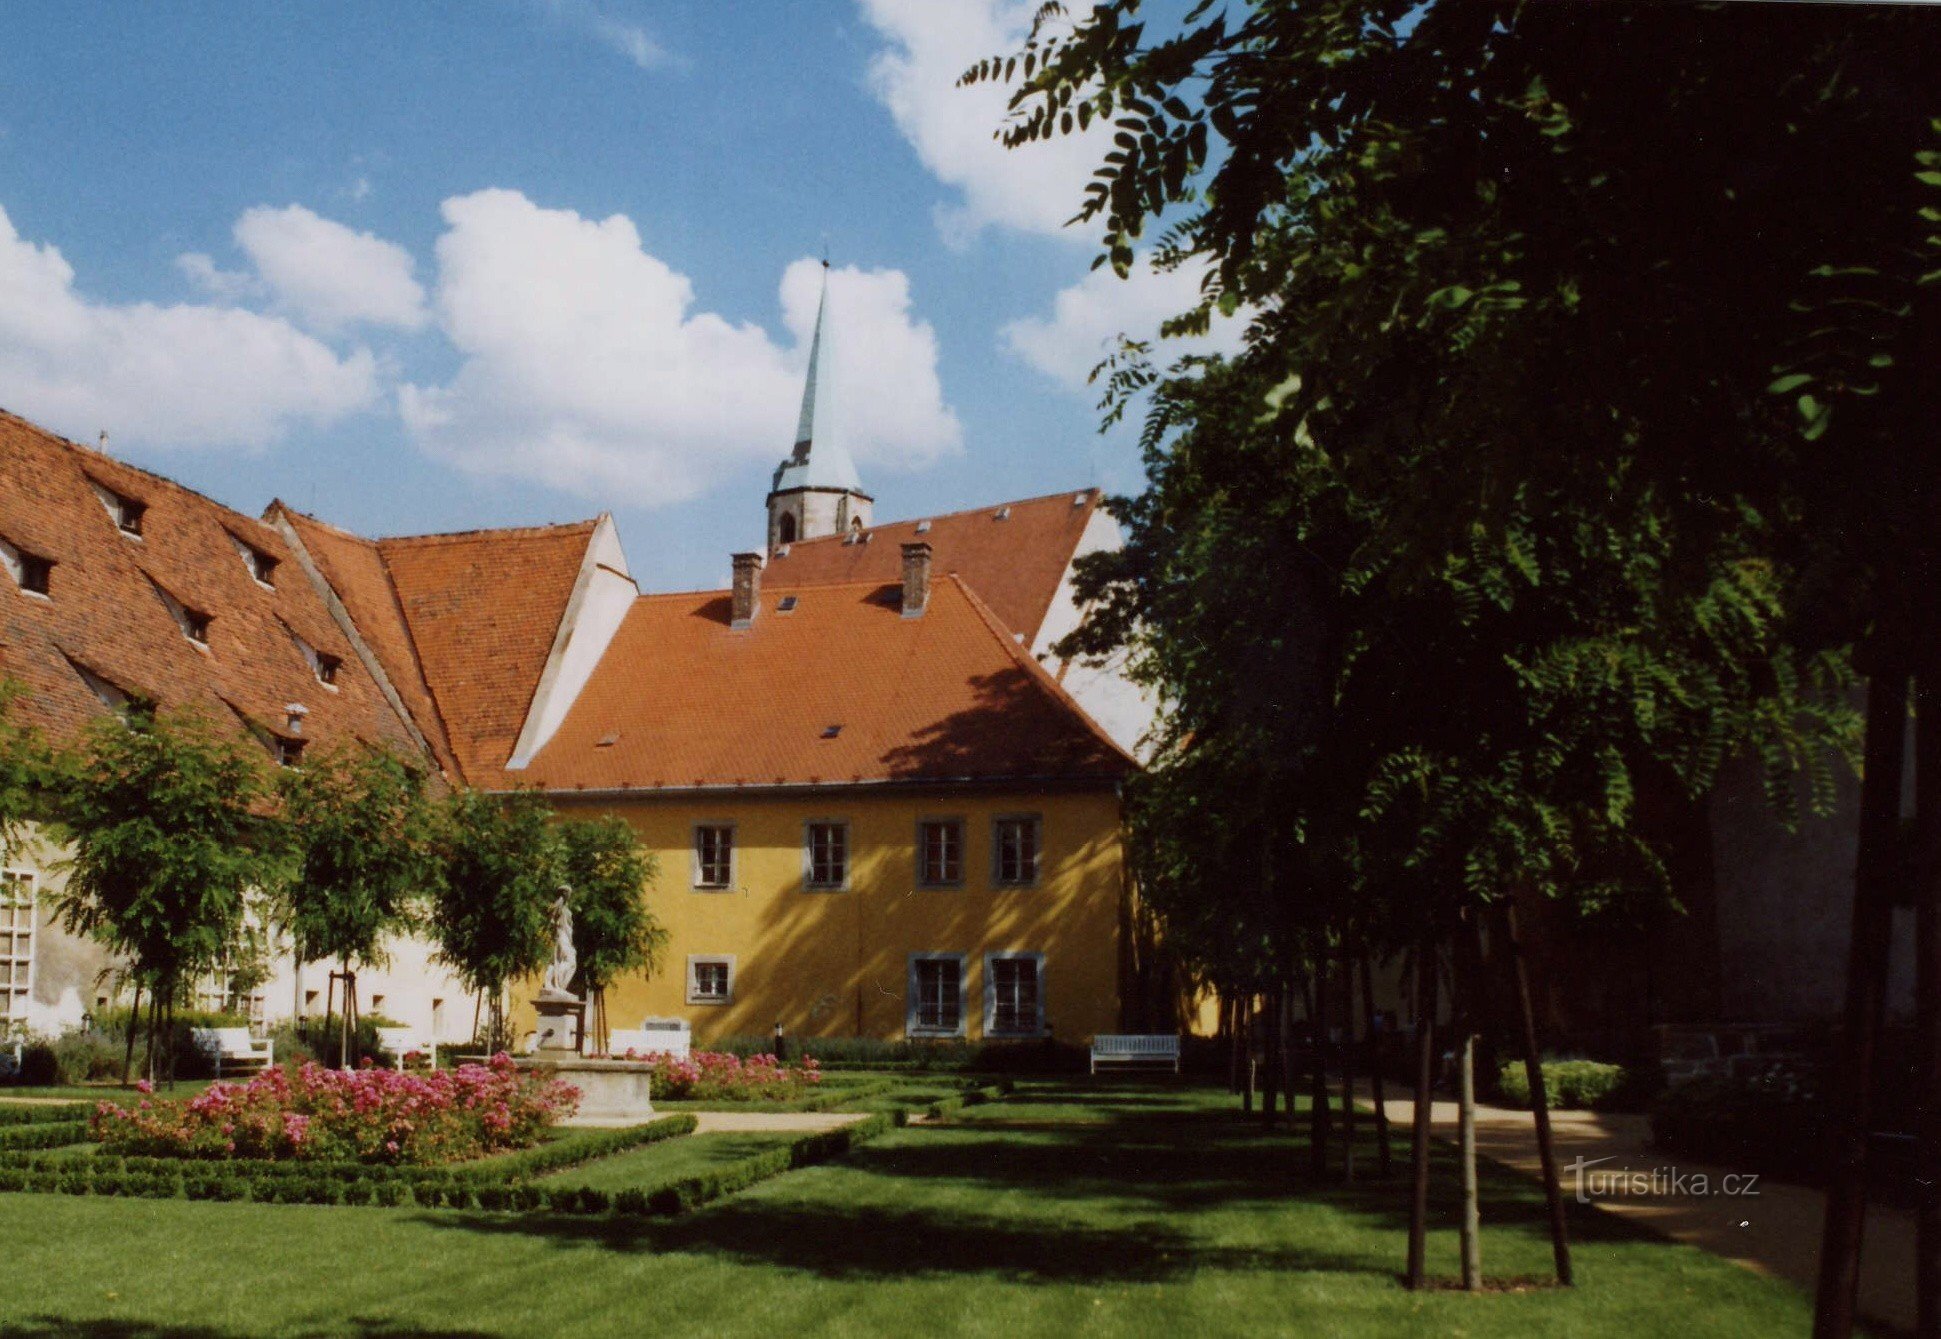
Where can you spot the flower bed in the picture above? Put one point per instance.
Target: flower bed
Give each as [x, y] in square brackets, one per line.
[714, 1076]
[367, 1115]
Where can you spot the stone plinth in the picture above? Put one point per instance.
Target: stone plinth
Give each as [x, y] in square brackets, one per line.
[562, 1023]
[612, 1092]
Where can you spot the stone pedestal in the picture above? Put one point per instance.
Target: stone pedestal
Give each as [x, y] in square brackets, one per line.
[612, 1092]
[561, 1025]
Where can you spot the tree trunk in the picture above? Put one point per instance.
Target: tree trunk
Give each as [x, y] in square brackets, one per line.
[1270, 1050]
[1347, 1067]
[134, 1018]
[1321, 1118]
[1472, 1246]
[1425, 1028]
[1230, 1018]
[1539, 1101]
[154, 1021]
[1247, 1046]
[1375, 1066]
[1927, 998]
[347, 1026]
[1866, 1000]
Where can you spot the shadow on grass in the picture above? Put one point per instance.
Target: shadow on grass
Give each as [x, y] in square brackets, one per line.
[52, 1327]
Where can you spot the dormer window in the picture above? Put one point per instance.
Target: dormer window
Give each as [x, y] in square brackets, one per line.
[289, 752]
[123, 702]
[193, 622]
[31, 572]
[327, 667]
[262, 567]
[126, 512]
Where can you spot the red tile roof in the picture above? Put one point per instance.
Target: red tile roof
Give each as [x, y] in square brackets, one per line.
[1014, 563]
[483, 608]
[105, 614]
[682, 700]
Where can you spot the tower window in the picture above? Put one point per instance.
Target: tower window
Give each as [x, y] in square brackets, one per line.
[785, 528]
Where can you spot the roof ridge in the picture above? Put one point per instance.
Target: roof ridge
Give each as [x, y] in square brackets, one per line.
[1039, 675]
[490, 532]
[951, 515]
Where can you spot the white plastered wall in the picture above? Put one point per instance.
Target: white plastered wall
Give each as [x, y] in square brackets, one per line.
[1120, 706]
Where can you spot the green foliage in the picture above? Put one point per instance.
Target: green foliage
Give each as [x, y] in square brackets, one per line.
[498, 873]
[614, 931]
[170, 840]
[361, 832]
[28, 771]
[1573, 1085]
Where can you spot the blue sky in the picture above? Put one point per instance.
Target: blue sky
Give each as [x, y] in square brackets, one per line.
[433, 266]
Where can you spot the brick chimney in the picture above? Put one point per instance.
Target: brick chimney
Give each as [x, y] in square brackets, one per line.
[748, 589]
[916, 579]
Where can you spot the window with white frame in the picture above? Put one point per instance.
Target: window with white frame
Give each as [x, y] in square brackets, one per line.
[1015, 843]
[17, 934]
[935, 1007]
[1014, 994]
[940, 852]
[710, 979]
[714, 855]
[825, 855]
[227, 992]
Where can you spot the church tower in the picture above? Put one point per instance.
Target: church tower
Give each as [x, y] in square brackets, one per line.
[816, 490]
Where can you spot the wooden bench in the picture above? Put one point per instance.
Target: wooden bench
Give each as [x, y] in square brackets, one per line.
[398, 1042]
[1135, 1051]
[234, 1048]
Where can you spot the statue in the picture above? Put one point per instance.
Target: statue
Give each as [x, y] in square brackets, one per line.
[566, 961]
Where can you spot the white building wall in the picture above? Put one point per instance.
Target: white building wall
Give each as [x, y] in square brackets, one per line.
[1121, 707]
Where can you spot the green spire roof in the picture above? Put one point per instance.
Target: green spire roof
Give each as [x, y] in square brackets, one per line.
[817, 462]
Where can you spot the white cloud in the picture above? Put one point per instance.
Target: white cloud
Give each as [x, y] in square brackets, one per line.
[326, 274]
[588, 369]
[617, 35]
[183, 375]
[205, 274]
[930, 43]
[1087, 318]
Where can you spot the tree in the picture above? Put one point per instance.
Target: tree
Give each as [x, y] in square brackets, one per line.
[172, 836]
[361, 829]
[499, 872]
[614, 930]
[25, 774]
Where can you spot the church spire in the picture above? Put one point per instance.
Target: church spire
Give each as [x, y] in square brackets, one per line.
[816, 490]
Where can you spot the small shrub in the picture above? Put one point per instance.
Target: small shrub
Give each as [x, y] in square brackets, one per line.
[1573, 1085]
[40, 1065]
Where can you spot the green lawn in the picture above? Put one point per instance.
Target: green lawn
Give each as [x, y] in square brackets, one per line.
[1125, 1209]
[657, 1164]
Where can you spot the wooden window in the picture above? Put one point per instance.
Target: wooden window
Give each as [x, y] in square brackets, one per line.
[940, 852]
[935, 1006]
[1014, 997]
[18, 931]
[714, 855]
[1016, 842]
[710, 980]
[826, 855]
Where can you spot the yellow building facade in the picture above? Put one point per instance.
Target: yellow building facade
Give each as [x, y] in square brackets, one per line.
[994, 953]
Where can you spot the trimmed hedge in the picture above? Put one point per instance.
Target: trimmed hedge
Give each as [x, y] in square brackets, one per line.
[950, 1106]
[44, 1134]
[1573, 1085]
[47, 1114]
[691, 1192]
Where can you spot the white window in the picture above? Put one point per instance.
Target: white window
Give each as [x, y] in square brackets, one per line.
[710, 979]
[126, 512]
[261, 565]
[940, 852]
[825, 855]
[223, 992]
[935, 1007]
[193, 622]
[714, 855]
[1014, 994]
[1015, 843]
[18, 926]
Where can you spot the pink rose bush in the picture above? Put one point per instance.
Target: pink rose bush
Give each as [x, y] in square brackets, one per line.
[713, 1076]
[329, 1115]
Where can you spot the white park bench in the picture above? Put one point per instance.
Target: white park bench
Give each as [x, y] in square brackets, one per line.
[398, 1042]
[1134, 1051]
[654, 1036]
[233, 1048]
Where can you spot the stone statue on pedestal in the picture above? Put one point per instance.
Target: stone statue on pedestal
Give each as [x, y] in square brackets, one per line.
[566, 960]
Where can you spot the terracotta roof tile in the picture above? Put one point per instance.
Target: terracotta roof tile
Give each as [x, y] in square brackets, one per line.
[483, 608]
[1013, 554]
[680, 699]
[105, 615]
